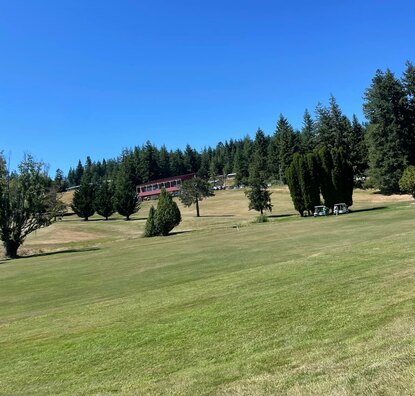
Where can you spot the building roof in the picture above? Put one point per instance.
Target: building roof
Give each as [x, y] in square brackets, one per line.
[167, 179]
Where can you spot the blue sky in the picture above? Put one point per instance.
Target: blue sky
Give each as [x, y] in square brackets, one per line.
[91, 77]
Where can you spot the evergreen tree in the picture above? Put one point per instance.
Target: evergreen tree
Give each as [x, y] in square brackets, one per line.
[287, 145]
[193, 191]
[325, 174]
[407, 181]
[84, 197]
[293, 177]
[177, 163]
[151, 228]
[357, 148]
[149, 167]
[312, 166]
[203, 171]
[240, 167]
[385, 107]
[79, 172]
[125, 197]
[333, 128]
[164, 162]
[258, 167]
[190, 160]
[307, 136]
[167, 214]
[342, 178]
[104, 199]
[259, 197]
[408, 82]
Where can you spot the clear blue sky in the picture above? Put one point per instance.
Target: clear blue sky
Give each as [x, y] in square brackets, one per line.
[89, 77]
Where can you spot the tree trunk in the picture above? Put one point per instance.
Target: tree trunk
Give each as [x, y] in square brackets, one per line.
[197, 208]
[11, 249]
[128, 217]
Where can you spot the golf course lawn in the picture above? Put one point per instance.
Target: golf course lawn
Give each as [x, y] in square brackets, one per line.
[226, 307]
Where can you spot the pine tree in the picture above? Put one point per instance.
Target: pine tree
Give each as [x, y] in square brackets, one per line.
[84, 197]
[125, 197]
[104, 199]
[167, 214]
[259, 197]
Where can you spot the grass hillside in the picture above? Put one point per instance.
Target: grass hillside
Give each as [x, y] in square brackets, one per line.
[294, 306]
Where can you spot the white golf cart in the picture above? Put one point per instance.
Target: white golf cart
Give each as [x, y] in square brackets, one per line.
[340, 208]
[321, 210]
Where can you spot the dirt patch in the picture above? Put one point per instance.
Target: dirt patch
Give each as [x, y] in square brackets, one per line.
[63, 236]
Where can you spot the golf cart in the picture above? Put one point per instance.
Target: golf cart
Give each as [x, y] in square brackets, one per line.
[340, 208]
[321, 210]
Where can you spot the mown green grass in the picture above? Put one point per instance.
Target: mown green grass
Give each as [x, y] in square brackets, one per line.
[293, 306]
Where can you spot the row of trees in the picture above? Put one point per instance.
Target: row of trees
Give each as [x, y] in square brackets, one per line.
[330, 128]
[325, 173]
[380, 149]
[105, 197]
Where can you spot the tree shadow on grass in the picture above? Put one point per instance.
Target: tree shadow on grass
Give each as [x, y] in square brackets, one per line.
[179, 232]
[19, 258]
[368, 209]
[217, 216]
[276, 216]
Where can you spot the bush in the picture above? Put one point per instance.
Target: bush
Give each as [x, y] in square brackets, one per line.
[167, 214]
[407, 181]
[261, 219]
[151, 228]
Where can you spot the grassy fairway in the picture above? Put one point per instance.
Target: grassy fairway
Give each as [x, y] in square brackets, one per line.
[294, 306]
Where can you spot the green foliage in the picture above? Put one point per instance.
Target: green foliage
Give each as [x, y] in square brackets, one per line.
[259, 197]
[287, 143]
[342, 178]
[325, 176]
[293, 176]
[125, 197]
[308, 134]
[25, 203]
[407, 181]
[84, 197]
[151, 228]
[261, 219]
[193, 191]
[104, 199]
[167, 214]
[389, 142]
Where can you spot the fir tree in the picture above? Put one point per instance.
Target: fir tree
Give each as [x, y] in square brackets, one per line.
[307, 136]
[104, 199]
[84, 197]
[386, 108]
[125, 197]
[287, 145]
